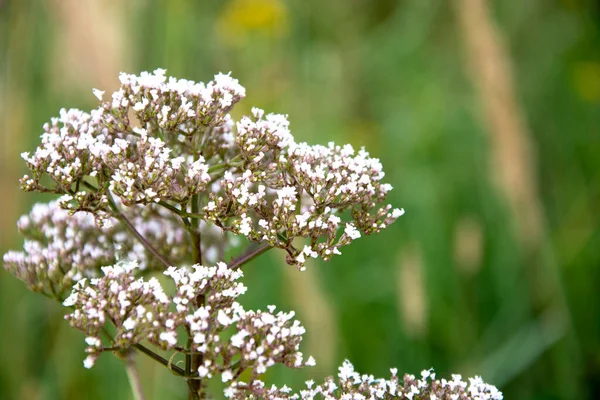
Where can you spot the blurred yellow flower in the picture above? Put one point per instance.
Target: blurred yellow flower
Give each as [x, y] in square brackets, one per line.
[243, 18]
[586, 79]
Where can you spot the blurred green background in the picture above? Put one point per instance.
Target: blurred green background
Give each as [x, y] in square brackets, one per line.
[485, 115]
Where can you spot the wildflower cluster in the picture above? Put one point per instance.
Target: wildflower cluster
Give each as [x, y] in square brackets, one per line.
[265, 186]
[352, 385]
[61, 248]
[136, 308]
[89, 157]
[289, 190]
[155, 186]
[140, 310]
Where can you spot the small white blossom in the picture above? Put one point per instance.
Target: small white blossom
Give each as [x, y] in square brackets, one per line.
[98, 93]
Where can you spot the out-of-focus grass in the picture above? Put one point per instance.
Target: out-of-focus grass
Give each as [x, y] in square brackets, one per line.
[452, 284]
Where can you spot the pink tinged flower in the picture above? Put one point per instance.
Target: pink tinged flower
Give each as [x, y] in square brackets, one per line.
[300, 258]
[199, 338]
[223, 319]
[237, 340]
[286, 389]
[129, 324]
[412, 393]
[245, 227]
[93, 341]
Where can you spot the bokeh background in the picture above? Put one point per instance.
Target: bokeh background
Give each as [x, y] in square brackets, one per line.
[485, 115]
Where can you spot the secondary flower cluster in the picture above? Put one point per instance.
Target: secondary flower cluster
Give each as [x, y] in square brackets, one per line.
[137, 309]
[290, 190]
[61, 248]
[230, 339]
[351, 385]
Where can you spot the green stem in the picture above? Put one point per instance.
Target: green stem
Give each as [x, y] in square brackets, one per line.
[174, 368]
[182, 214]
[193, 387]
[230, 163]
[134, 377]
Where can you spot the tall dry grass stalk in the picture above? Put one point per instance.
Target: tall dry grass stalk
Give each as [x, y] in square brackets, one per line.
[513, 164]
[513, 170]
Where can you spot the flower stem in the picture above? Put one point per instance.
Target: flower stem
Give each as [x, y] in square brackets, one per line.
[134, 377]
[174, 368]
[195, 360]
[132, 229]
[193, 390]
[176, 211]
[143, 240]
[248, 256]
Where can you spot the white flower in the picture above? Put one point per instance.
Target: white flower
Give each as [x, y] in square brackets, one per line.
[226, 376]
[89, 362]
[398, 212]
[351, 231]
[170, 337]
[245, 227]
[346, 371]
[203, 371]
[98, 93]
[129, 324]
[93, 341]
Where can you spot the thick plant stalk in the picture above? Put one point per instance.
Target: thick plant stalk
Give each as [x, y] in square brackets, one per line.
[193, 362]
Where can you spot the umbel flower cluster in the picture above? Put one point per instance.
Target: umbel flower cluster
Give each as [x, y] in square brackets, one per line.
[155, 186]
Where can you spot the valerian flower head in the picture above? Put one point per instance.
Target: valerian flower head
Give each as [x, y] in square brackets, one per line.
[155, 185]
[164, 140]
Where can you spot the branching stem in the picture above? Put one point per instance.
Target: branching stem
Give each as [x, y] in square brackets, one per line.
[248, 256]
[143, 240]
[174, 368]
[119, 215]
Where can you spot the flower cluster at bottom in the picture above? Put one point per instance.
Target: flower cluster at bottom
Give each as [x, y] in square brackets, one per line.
[351, 385]
[229, 339]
